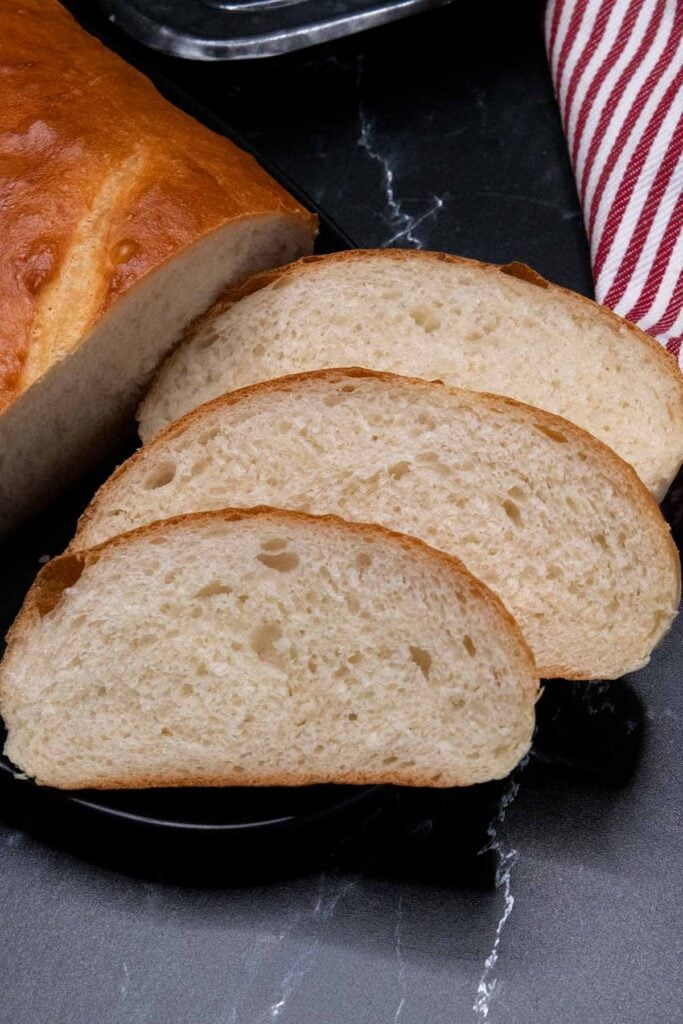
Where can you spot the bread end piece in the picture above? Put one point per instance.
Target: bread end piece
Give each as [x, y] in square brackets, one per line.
[262, 647]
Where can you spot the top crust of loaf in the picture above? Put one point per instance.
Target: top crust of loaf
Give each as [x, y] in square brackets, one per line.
[97, 155]
[656, 456]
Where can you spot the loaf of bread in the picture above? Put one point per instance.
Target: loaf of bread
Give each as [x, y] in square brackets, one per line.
[121, 219]
[551, 519]
[264, 647]
[497, 329]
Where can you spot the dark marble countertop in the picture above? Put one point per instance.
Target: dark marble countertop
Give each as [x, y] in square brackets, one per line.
[551, 898]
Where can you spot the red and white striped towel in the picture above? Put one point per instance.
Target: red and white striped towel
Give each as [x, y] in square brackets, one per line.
[617, 66]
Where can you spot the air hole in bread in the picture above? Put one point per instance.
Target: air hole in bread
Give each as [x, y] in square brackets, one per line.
[331, 400]
[512, 511]
[391, 759]
[363, 561]
[517, 493]
[213, 589]
[160, 476]
[399, 469]
[601, 541]
[208, 436]
[468, 644]
[422, 659]
[348, 389]
[263, 640]
[424, 318]
[274, 544]
[199, 466]
[205, 340]
[284, 561]
[554, 435]
[258, 350]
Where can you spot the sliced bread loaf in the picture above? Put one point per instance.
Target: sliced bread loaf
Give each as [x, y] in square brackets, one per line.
[548, 517]
[264, 647]
[121, 220]
[495, 329]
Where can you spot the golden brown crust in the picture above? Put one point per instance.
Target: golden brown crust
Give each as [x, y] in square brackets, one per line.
[91, 150]
[163, 781]
[521, 271]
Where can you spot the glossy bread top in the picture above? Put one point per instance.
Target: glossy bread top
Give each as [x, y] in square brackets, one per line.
[101, 181]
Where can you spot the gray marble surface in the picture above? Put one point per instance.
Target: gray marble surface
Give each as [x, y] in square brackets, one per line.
[552, 897]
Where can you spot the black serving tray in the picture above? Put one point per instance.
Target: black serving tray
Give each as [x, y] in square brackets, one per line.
[237, 29]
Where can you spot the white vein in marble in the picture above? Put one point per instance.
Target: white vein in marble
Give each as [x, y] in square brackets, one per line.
[323, 911]
[403, 225]
[320, 915]
[125, 980]
[400, 960]
[506, 858]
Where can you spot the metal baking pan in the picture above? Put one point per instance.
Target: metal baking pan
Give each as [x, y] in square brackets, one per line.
[239, 29]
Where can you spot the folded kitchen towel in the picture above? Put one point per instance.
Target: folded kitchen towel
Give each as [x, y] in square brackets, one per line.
[617, 67]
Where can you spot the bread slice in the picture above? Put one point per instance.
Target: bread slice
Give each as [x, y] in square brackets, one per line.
[264, 647]
[551, 519]
[122, 220]
[425, 314]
